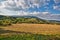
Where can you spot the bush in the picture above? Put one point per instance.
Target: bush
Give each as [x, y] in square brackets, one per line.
[5, 22]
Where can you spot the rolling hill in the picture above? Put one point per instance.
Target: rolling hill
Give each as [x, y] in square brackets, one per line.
[28, 19]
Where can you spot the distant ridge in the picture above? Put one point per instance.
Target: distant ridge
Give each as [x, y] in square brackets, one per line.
[2, 16]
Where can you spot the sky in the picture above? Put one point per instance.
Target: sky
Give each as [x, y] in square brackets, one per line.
[45, 9]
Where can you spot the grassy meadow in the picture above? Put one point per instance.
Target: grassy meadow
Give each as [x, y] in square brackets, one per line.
[30, 32]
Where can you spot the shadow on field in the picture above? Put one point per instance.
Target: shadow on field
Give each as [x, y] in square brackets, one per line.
[35, 36]
[2, 31]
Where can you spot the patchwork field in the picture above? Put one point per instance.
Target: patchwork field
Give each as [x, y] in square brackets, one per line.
[32, 28]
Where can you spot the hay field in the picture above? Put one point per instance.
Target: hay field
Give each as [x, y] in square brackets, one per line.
[34, 28]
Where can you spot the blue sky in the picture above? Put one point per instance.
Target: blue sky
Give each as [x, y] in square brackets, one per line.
[46, 9]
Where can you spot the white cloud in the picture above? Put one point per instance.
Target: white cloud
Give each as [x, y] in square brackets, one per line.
[2, 5]
[47, 15]
[23, 13]
[13, 4]
[56, 7]
[43, 15]
[7, 6]
[7, 12]
[57, 1]
[22, 4]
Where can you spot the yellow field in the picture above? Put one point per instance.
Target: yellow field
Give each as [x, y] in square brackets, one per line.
[34, 28]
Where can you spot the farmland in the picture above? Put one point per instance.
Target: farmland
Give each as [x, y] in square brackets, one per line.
[30, 32]
[35, 28]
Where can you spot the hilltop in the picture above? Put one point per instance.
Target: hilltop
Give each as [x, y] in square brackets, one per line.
[8, 20]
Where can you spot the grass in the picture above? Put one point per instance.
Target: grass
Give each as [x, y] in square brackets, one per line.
[27, 36]
[30, 32]
[34, 28]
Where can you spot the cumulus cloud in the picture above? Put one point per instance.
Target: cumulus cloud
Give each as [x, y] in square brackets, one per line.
[23, 13]
[21, 4]
[2, 5]
[17, 7]
[43, 15]
[57, 1]
[48, 16]
[56, 7]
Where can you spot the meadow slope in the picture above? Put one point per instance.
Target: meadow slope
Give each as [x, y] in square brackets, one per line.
[34, 28]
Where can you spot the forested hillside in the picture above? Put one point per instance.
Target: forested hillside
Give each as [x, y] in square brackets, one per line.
[9, 20]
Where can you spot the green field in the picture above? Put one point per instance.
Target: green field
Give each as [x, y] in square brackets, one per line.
[27, 36]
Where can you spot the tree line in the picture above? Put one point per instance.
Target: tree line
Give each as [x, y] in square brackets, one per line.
[5, 21]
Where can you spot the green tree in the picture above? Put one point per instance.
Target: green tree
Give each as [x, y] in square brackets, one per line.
[6, 22]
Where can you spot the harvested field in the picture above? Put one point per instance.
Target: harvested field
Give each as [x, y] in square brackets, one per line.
[34, 28]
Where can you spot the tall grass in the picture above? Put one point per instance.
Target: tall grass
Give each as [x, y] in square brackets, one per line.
[27, 36]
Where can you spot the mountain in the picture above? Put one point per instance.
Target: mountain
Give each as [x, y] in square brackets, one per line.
[38, 19]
